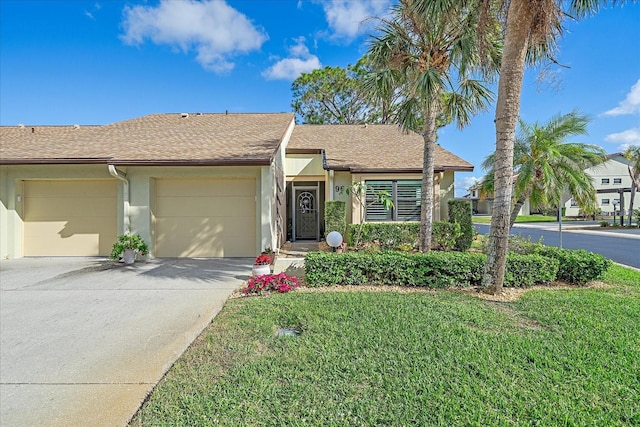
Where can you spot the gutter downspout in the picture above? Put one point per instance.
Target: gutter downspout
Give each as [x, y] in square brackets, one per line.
[121, 176]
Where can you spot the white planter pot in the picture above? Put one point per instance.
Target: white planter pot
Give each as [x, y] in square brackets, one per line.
[259, 270]
[129, 256]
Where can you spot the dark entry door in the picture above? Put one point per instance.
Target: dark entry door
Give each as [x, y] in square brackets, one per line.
[306, 207]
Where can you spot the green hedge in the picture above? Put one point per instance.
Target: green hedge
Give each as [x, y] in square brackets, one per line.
[335, 217]
[460, 213]
[394, 235]
[389, 235]
[444, 235]
[577, 266]
[434, 270]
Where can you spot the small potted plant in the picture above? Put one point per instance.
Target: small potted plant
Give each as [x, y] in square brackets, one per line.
[127, 247]
[261, 265]
[270, 253]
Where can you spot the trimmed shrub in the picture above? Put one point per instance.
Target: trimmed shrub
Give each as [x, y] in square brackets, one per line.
[401, 235]
[460, 213]
[523, 271]
[577, 266]
[335, 217]
[444, 235]
[433, 270]
[389, 235]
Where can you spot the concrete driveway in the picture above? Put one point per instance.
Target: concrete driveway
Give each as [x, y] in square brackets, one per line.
[83, 340]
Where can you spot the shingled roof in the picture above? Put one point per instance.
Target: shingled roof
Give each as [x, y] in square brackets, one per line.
[370, 148]
[209, 139]
[220, 139]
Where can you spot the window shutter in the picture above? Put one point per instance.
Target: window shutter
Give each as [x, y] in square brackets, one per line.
[408, 200]
[377, 212]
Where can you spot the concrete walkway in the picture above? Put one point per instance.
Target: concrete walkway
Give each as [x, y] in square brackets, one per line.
[84, 340]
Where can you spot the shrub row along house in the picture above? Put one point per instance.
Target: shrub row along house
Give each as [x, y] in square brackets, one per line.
[200, 185]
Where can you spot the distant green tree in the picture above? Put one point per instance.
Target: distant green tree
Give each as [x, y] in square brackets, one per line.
[335, 95]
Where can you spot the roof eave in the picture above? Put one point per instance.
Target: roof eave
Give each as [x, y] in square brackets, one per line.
[57, 161]
[355, 169]
[125, 162]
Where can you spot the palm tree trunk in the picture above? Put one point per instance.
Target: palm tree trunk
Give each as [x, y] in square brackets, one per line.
[519, 22]
[426, 200]
[517, 206]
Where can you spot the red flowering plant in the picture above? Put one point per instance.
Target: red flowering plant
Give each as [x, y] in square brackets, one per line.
[262, 259]
[266, 283]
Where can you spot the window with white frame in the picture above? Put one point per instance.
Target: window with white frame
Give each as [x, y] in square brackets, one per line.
[604, 181]
[605, 201]
[574, 204]
[405, 195]
[617, 180]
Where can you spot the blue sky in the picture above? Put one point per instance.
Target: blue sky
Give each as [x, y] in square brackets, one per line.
[98, 62]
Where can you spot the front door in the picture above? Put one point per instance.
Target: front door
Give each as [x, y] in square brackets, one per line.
[306, 213]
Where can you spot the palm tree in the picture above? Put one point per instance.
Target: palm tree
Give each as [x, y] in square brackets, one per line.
[545, 165]
[532, 29]
[426, 50]
[633, 155]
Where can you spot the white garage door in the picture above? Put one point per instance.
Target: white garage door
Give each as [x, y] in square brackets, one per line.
[69, 217]
[205, 217]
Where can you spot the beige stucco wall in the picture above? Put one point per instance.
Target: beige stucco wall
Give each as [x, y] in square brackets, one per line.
[304, 165]
[341, 181]
[142, 195]
[447, 192]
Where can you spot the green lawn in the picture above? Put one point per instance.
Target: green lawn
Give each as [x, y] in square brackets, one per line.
[553, 357]
[483, 219]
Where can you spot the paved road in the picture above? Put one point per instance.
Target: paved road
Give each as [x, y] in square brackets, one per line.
[622, 246]
[82, 340]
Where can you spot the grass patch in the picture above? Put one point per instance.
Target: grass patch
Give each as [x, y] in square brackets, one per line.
[554, 357]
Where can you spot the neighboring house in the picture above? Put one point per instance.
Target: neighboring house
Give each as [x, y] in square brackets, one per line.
[482, 204]
[611, 175]
[200, 185]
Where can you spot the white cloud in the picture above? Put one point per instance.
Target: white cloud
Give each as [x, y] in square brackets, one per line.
[630, 105]
[349, 18]
[211, 28]
[625, 139]
[462, 184]
[299, 61]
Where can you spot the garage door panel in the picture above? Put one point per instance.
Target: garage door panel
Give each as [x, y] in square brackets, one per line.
[67, 207]
[69, 217]
[67, 188]
[203, 237]
[205, 218]
[205, 206]
[206, 187]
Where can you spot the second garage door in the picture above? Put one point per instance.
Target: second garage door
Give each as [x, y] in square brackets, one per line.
[205, 217]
